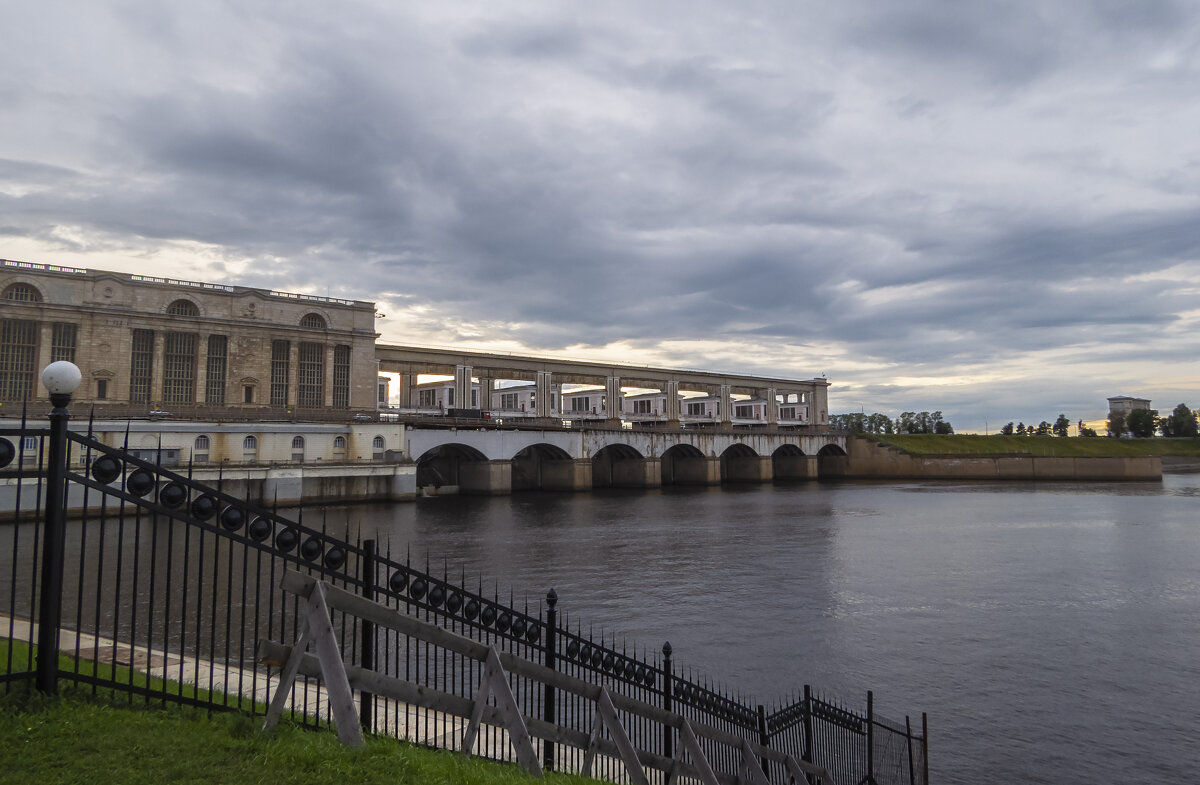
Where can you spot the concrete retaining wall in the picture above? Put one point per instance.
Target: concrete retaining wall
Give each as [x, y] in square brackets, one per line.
[866, 460]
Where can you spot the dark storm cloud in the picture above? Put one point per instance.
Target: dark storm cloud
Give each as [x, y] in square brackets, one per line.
[922, 188]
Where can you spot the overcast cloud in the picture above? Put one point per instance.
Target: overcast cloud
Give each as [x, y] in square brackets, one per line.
[988, 208]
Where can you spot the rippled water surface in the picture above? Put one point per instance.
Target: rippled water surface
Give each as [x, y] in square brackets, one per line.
[1051, 632]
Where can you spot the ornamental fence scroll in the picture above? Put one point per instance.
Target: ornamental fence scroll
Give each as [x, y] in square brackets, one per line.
[165, 583]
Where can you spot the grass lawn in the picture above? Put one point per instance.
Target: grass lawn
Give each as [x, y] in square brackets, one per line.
[971, 444]
[83, 738]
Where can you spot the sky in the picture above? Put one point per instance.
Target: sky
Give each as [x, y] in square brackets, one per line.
[991, 209]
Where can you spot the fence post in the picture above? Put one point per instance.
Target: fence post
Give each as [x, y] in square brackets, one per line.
[912, 772]
[808, 729]
[549, 699]
[764, 738]
[870, 737]
[61, 379]
[366, 705]
[925, 748]
[668, 686]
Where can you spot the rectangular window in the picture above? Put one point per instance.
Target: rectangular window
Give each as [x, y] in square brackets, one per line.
[509, 401]
[427, 399]
[101, 389]
[62, 346]
[18, 352]
[745, 412]
[312, 376]
[215, 368]
[696, 409]
[141, 366]
[248, 393]
[787, 412]
[641, 407]
[341, 377]
[474, 398]
[581, 403]
[179, 368]
[279, 372]
[450, 396]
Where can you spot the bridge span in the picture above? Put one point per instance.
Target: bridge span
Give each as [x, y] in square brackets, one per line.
[499, 461]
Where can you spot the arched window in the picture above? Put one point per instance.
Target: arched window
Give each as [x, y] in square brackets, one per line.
[298, 443]
[250, 444]
[22, 292]
[202, 443]
[314, 320]
[339, 442]
[378, 444]
[183, 308]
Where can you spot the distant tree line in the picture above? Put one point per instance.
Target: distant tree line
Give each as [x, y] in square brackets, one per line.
[1059, 428]
[907, 422]
[1143, 423]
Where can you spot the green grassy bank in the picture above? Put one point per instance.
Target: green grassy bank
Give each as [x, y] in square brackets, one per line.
[83, 738]
[1099, 447]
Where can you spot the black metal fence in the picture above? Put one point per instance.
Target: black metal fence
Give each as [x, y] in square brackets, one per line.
[161, 588]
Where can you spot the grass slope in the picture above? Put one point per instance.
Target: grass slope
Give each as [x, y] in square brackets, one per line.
[84, 738]
[76, 741]
[968, 444]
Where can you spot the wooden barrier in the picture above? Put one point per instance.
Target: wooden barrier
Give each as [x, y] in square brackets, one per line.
[341, 680]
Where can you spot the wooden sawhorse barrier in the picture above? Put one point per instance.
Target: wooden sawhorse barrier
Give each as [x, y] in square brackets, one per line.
[341, 680]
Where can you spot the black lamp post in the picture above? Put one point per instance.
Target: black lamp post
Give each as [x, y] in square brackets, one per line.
[61, 379]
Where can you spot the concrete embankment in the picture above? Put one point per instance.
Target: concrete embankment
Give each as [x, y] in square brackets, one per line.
[867, 460]
[284, 486]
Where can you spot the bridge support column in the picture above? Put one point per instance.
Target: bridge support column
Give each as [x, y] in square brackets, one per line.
[696, 471]
[485, 478]
[671, 405]
[796, 467]
[541, 392]
[726, 405]
[407, 394]
[750, 468]
[772, 406]
[486, 388]
[462, 387]
[569, 475]
[612, 400]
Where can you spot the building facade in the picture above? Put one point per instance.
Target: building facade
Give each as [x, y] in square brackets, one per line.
[158, 345]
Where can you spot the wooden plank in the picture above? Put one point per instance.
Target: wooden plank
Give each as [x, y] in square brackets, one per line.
[751, 769]
[287, 677]
[691, 744]
[333, 670]
[589, 756]
[798, 768]
[494, 682]
[605, 708]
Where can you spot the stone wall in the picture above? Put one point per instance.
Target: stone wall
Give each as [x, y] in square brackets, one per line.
[866, 460]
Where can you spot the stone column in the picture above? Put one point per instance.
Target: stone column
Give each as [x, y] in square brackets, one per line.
[486, 389]
[462, 387]
[819, 411]
[541, 390]
[612, 398]
[772, 406]
[726, 404]
[408, 390]
[671, 406]
[157, 368]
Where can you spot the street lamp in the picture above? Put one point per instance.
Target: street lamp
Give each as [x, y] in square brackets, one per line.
[61, 379]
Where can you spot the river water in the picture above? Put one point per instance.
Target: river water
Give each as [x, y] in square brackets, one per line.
[1050, 631]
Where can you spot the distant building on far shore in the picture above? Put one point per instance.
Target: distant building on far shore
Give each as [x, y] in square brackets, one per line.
[1124, 404]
